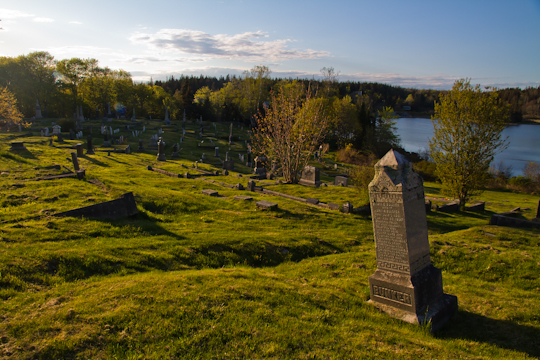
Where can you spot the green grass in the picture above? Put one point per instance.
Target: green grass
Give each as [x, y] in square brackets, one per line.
[193, 276]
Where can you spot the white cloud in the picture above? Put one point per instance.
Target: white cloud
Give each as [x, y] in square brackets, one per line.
[78, 51]
[75, 22]
[7, 14]
[222, 46]
[439, 81]
[42, 19]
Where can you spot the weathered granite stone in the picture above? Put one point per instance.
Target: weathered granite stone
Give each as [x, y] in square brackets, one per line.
[405, 285]
[114, 209]
[17, 145]
[75, 161]
[502, 220]
[333, 206]
[238, 186]
[266, 205]
[341, 181]
[448, 208]
[161, 150]
[310, 176]
[479, 206]
[210, 192]
[251, 185]
[347, 208]
[243, 197]
[313, 201]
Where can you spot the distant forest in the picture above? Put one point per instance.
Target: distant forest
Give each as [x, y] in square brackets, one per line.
[354, 109]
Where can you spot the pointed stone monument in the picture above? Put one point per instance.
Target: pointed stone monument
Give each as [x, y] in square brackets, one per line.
[405, 285]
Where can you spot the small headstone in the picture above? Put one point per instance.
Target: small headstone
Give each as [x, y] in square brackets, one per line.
[225, 172]
[17, 145]
[259, 166]
[106, 141]
[313, 201]
[217, 152]
[310, 176]
[243, 198]
[57, 129]
[477, 207]
[251, 185]
[266, 205]
[210, 192]
[335, 166]
[341, 181]
[449, 208]
[80, 150]
[405, 285]
[347, 208]
[75, 161]
[161, 150]
[89, 147]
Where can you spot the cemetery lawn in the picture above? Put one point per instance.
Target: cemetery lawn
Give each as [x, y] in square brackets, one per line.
[199, 277]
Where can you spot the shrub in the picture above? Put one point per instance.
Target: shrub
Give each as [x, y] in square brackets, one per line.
[426, 169]
[362, 175]
[531, 170]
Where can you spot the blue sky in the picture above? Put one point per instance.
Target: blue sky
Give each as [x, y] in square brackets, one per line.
[421, 44]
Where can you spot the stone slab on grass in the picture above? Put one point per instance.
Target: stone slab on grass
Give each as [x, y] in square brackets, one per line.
[266, 205]
[243, 197]
[210, 192]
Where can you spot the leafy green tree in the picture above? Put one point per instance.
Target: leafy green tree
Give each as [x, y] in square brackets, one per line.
[468, 123]
[385, 131]
[72, 72]
[290, 130]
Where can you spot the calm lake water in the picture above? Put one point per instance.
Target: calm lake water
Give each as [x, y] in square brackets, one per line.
[524, 141]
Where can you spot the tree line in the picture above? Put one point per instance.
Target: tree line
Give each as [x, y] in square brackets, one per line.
[352, 108]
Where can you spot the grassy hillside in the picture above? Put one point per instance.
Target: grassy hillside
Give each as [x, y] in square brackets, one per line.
[199, 277]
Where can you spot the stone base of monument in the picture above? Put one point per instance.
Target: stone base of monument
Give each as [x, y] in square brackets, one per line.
[416, 299]
[106, 144]
[161, 157]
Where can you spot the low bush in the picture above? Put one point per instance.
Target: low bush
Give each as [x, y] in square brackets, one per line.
[426, 169]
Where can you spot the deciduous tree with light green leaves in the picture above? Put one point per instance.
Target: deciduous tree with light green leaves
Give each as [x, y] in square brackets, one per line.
[468, 123]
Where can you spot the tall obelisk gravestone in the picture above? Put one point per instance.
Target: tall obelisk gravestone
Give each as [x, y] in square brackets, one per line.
[406, 285]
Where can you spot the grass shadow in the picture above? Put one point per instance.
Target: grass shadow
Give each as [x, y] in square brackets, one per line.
[27, 154]
[94, 161]
[502, 333]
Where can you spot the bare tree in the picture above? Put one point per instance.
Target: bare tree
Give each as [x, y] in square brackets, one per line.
[291, 129]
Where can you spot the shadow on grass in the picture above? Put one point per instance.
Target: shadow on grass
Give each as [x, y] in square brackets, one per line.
[27, 154]
[440, 222]
[502, 333]
[94, 161]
